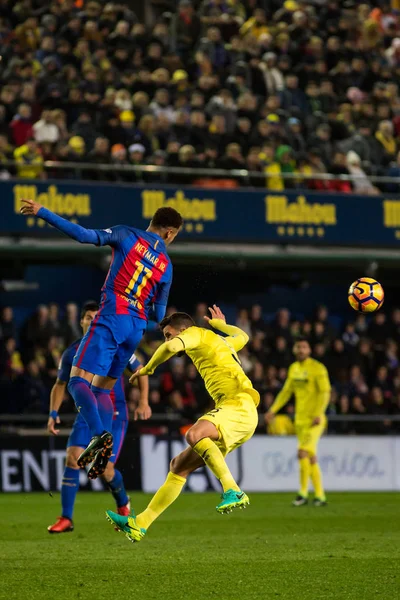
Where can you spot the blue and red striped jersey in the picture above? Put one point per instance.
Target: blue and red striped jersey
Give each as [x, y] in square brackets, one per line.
[140, 273]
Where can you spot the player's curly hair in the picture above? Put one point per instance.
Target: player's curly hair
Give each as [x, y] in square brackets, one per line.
[166, 217]
[177, 320]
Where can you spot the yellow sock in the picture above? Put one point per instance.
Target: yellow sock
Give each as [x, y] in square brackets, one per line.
[316, 478]
[166, 495]
[304, 464]
[215, 461]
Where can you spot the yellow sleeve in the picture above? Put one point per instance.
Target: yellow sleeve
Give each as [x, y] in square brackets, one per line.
[324, 391]
[284, 395]
[162, 354]
[188, 339]
[237, 338]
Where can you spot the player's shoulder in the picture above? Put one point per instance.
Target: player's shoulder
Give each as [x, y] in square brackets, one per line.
[318, 366]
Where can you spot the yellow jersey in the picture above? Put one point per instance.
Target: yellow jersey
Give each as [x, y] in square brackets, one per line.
[215, 357]
[309, 382]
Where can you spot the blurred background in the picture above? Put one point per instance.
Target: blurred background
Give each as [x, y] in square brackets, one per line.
[273, 127]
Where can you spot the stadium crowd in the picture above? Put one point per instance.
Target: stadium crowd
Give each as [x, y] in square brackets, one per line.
[362, 360]
[299, 87]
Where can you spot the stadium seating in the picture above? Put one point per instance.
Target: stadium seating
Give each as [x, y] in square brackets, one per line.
[299, 87]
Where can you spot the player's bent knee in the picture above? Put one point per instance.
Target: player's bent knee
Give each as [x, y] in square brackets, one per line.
[193, 436]
[71, 459]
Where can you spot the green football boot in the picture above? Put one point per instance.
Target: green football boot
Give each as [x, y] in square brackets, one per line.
[127, 525]
[232, 499]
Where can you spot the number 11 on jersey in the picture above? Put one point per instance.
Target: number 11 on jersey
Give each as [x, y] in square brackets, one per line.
[146, 275]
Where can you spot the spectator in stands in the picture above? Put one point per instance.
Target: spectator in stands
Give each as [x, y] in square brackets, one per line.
[45, 130]
[257, 322]
[70, 328]
[233, 158]
[29, 160]
[7, 324]
[243, 321]
[386, 139]
[21, 125]
[84, 128]
[119, 159]
[360, 181]
[188, 28]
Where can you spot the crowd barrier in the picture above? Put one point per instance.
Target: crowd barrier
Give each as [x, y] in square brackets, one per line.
[264, 464]
[241, 215]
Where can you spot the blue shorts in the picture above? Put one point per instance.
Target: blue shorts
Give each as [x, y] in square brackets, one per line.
[109, 344]
[80, 435]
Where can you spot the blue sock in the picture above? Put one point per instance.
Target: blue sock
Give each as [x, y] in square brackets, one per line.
[86, 404]
[69, 488]
[117, 488]
[105, 406]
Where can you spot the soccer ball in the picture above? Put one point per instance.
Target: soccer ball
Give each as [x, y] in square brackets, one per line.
[366, 295]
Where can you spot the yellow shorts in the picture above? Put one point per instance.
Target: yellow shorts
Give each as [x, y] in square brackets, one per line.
[308, 437]
[236, 420]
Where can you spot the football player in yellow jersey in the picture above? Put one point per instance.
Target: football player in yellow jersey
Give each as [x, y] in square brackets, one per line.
[308, 380]
[230, 424]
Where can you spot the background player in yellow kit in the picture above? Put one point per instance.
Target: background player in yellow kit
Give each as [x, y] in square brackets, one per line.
[230, 424]
[308, 380]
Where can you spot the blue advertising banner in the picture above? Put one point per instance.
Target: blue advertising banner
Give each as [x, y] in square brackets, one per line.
[215, 215]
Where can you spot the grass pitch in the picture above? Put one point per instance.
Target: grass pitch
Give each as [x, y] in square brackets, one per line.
[347, 550]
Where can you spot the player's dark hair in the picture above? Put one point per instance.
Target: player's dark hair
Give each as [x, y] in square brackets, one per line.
[302, 339]
[167, 217]
[89, 306]
[177, 320]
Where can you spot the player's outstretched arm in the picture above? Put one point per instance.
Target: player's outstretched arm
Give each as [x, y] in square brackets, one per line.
[74, 231]
[143, 410]
[282, 398]
[161, 355]
[56, 399]
[323, 396]
[237, 337]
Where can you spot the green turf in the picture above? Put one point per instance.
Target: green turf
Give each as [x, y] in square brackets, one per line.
[349, 549]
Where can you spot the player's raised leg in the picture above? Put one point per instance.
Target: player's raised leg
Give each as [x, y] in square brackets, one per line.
[202, 437]
[69, 489]
[181, 466]
[91, 392]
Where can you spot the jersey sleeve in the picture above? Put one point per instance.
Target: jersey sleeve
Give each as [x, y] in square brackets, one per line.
[191, 338]
[134, 363]
[322, 379]
[112, 236]
[323, 390]
[236, 337]
[284, 395]
[65, 365]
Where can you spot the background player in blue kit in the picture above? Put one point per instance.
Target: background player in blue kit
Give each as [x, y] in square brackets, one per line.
[80, 435]
[136, 287]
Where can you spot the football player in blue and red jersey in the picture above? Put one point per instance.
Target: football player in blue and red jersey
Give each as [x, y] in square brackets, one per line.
[80, 434]
[136, 287]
